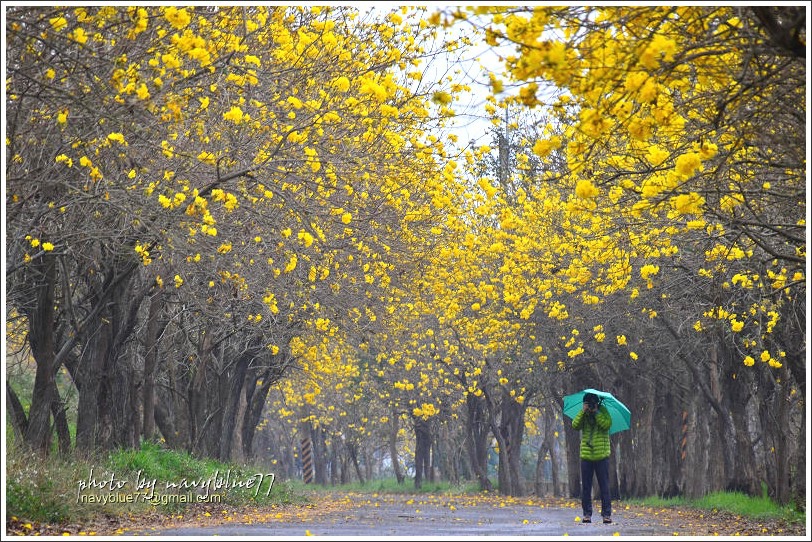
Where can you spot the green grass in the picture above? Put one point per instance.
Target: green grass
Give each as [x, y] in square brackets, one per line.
[757, 508]
[157, 463]
[239, 484]
[760, 508]
[42, 491]
[50, 491]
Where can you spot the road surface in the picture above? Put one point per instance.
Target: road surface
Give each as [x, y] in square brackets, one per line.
[429, 516]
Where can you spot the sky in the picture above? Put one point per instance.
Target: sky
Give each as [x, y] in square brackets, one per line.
[471, 125]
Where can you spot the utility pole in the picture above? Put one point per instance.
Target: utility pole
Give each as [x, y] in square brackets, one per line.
[504, 153]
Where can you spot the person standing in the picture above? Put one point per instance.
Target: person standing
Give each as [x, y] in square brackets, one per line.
[593, 421]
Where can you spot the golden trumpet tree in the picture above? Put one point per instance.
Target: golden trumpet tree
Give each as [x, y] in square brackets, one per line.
[259, 171]
[672, 164]
[681, 131]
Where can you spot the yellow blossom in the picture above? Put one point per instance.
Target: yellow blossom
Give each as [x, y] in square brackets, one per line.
[206, 157]
[688, 164]
[178, 18]
[235, 115]
[64, 158]
[342, 84]
[585, 189]
[543, 147]
[649, 270]
[142, 92]
[736, 325]
[58, 23]
[306, 238]
[118, 137]
[439, 97]
[656, 155]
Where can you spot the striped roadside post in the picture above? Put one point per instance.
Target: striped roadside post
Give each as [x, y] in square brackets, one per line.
[307, 460]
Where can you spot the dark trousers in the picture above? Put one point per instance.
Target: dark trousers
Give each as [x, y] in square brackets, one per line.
[601, 470]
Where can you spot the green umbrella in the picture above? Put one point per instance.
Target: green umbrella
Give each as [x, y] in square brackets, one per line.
[620, 414]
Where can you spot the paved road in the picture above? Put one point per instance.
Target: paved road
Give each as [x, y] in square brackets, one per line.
[429, 516]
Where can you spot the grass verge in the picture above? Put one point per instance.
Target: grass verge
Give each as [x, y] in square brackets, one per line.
[757, 508]
[132, 483]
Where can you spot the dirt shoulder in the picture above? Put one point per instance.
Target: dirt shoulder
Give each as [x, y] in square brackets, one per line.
[342, 514]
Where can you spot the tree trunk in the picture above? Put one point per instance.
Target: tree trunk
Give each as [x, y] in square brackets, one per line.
[19, 421]
[777, 435]
[554, 461]
[105, 409]
[782, 484]
[91, 372]
[798, 477]
[134, 427]
[320, 455]
[150, 365]
[724, 430]
[548, 446]
[345, 476]
[540, 478]
[745, 476]
[504, 477]
[648, 407]
[41, 327]
[196, 394]
[334, 463]
[512, 428]
[239, 420]
[166, 425]
[352, 449]
[444, 455]
[477, 428]
[422, 451]
[393, 446]
[234, 380]
[369, 467]
[573, 439]
[258, 396]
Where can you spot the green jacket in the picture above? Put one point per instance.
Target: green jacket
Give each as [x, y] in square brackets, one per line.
[594, 434]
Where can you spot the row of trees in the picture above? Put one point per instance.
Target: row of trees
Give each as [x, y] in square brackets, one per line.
[208, 185]
[242, 226]
[654, 273]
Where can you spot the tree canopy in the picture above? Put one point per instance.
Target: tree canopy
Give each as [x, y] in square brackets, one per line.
[225, 221]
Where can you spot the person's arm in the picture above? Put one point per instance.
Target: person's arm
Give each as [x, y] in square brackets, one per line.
[603, 420]
[578, 420]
